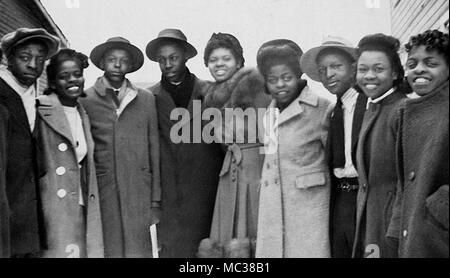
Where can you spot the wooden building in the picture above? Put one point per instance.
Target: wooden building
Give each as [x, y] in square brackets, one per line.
[32, 14]
[411, 17]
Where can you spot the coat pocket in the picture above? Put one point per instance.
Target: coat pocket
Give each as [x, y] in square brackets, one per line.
[437, 207]
[308, 180]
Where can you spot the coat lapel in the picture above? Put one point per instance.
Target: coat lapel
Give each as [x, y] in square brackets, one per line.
[296, 108]
[50, 111]
[358, 117]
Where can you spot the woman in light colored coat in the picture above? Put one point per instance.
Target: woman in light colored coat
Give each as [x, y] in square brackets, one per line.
[295, 182]
[68, 190]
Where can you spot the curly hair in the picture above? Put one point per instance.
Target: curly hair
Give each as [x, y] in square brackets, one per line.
[65, 54]
[223, 40]
[388, 45]
[273, 55]
[432, 40]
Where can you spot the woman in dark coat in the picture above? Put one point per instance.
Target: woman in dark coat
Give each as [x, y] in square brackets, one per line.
[380, 75]
[68, 190]
[420, 220]
[233, 229]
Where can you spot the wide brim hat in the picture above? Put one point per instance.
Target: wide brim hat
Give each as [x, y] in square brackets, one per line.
[21, 35]
[169, 35]
[308, 62]
[117, 43]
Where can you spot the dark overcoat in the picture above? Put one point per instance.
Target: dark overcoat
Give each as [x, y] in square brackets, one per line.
[420, 220]
[4, 208]
[21, 176]
[377, 180]
[189, 178]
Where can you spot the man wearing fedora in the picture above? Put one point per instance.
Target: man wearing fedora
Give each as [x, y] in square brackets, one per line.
[125, 131]
[189, 172]
[333, 63]
[26, 51]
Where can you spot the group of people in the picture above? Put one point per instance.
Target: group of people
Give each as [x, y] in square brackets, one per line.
[96, 172]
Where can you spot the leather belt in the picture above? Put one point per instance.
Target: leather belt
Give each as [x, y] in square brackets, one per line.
[348, 184]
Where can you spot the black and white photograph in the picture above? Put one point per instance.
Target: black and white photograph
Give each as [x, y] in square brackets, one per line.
[239, 130]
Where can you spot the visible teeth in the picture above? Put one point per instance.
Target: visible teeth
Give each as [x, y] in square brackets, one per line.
[75, 88]
[421, 80]
[332, 84]
[220, 72]
[282, 93]
[371, 86]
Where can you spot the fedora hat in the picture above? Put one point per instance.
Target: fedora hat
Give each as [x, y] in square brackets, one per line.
[21, 35]
[165, 35]
[118, 43]
[308, 62]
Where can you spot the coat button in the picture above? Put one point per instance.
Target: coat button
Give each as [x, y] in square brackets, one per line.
[233, 160]
[60, 171]
[61, 193]
[266, 183]
[62, 147]
[268, 166]
[92, 197]
[412, 175]
[405, 233]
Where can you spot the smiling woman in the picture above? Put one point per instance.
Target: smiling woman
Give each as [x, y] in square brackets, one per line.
[68, 190]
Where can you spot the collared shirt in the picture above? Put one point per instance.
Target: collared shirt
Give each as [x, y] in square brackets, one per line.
[348, 107]
[126, 94]
[413, 95]
[27, 94]
[385, 95]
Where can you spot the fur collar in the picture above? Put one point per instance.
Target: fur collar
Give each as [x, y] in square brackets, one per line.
[244, 89]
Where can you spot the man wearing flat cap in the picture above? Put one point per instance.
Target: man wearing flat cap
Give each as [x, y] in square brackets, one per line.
[26, 51]
[125, 130]
[333, 63]
[189, 171]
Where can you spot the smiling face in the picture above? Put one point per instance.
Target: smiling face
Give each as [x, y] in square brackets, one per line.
[426, 70]
[222, 64]
[69, 82]
[374, 73]
[337, 72]
[172, 62]
[282, 83]
[27, 62]
[116, 63]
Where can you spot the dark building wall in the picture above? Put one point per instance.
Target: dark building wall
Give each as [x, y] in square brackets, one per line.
[26, 13]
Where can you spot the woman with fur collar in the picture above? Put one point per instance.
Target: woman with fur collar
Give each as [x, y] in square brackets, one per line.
[233, 230]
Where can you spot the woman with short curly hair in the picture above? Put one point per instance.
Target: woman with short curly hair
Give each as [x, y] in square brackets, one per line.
[68, 190]
[420, 220]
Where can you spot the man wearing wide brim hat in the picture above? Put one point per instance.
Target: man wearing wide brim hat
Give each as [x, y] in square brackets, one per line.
[125, 130]
[333, 63]
[189, 171]
[117, 43]
[26, 50]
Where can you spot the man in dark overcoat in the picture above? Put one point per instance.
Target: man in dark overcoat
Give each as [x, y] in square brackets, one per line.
[26, 51]
[189, 171]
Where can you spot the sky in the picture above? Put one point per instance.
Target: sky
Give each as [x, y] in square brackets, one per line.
[87, 23]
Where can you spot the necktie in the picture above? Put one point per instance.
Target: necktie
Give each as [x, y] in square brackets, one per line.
[337, 135]
[115, 94]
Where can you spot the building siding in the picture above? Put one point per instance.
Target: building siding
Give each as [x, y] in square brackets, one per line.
[411, 17]
[25, 13]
